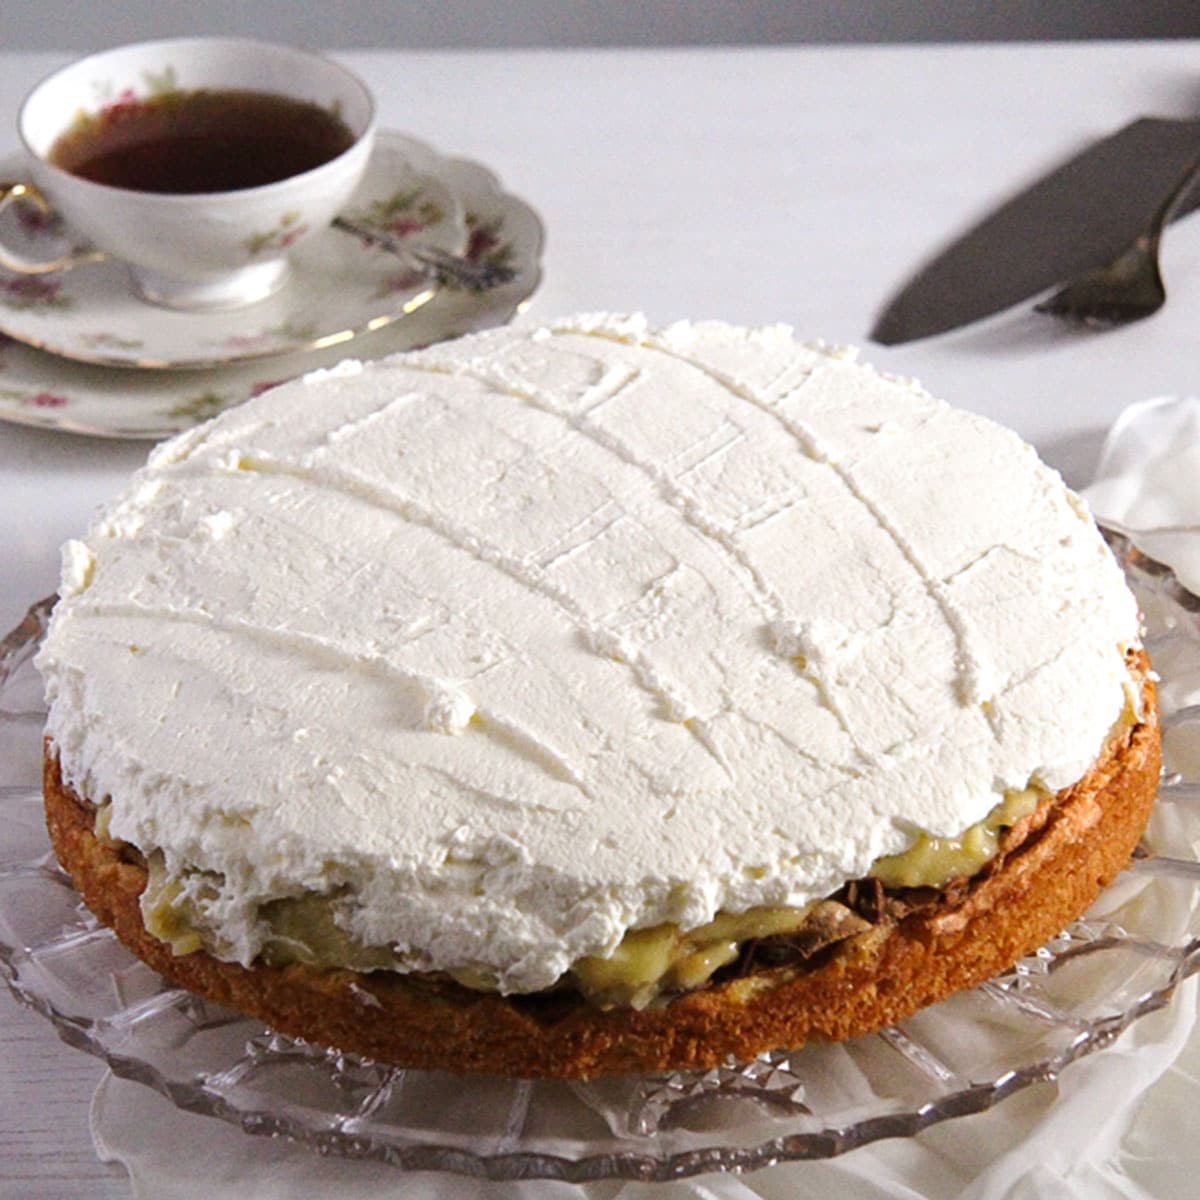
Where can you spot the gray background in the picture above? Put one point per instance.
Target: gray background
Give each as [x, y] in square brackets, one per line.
[76, 25]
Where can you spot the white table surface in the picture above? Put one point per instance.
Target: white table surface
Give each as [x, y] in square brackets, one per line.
[796, 185]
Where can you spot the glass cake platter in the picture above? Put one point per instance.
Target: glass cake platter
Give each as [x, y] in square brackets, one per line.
[1074, 996]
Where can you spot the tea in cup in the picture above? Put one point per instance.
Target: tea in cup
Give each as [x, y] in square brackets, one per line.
[199, 162]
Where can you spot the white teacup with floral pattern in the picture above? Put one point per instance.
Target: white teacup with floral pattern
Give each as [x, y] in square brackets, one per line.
[198, 250]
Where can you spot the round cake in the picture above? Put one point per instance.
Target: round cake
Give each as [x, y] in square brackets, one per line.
[593, 698]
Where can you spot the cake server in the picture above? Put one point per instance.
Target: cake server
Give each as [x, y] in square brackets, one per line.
[1080, 217]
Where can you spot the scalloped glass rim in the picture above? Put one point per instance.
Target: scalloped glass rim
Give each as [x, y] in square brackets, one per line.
[1124, 959]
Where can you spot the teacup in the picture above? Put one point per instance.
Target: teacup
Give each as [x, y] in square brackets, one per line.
[199, 249]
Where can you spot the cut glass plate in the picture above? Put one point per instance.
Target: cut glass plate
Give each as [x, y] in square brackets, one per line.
[1075, 995]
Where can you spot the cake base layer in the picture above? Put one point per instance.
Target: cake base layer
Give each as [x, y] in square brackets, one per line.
[856, 986]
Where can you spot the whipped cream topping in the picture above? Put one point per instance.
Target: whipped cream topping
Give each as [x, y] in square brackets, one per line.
[516, 643]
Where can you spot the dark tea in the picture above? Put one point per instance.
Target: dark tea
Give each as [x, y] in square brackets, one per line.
[214, 140]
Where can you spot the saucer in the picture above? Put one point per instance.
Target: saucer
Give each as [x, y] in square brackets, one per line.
[337, 289]
[55, 393]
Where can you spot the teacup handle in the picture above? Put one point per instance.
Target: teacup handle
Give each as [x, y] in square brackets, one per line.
[12, 193]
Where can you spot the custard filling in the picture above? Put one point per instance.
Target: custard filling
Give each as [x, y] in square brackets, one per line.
[933, 861]
[647, 965]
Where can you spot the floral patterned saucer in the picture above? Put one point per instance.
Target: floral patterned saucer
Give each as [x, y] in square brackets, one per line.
[45, 390]
[338, 287]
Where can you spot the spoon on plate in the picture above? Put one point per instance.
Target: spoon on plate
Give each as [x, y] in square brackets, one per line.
[448, 270]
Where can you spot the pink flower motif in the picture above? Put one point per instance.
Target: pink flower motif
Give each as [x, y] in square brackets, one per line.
[46, 400]
[125, 98]
[286, 239]
[32, 289]
[34, 221]
[404, 282]
[404, 226]
[482, 240]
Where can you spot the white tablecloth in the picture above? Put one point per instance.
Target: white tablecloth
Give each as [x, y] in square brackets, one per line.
[753, 185]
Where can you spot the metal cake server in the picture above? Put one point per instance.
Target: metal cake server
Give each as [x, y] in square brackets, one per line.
[1131, 287]
[1081, 217]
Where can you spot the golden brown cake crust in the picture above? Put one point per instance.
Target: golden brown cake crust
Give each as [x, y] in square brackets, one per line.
[859, 985]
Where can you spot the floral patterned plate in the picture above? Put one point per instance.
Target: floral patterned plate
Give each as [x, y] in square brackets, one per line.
[338, 287]
[44, 390]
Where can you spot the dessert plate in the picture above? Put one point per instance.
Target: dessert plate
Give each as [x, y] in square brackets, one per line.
[42, 389]
[338, 287]
[1075, 995]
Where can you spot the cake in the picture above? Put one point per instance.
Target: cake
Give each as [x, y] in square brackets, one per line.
[593, 698]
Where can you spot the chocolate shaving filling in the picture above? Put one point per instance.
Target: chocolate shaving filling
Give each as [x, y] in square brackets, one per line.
[859, 906]
[828, 923]
[864, 904]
